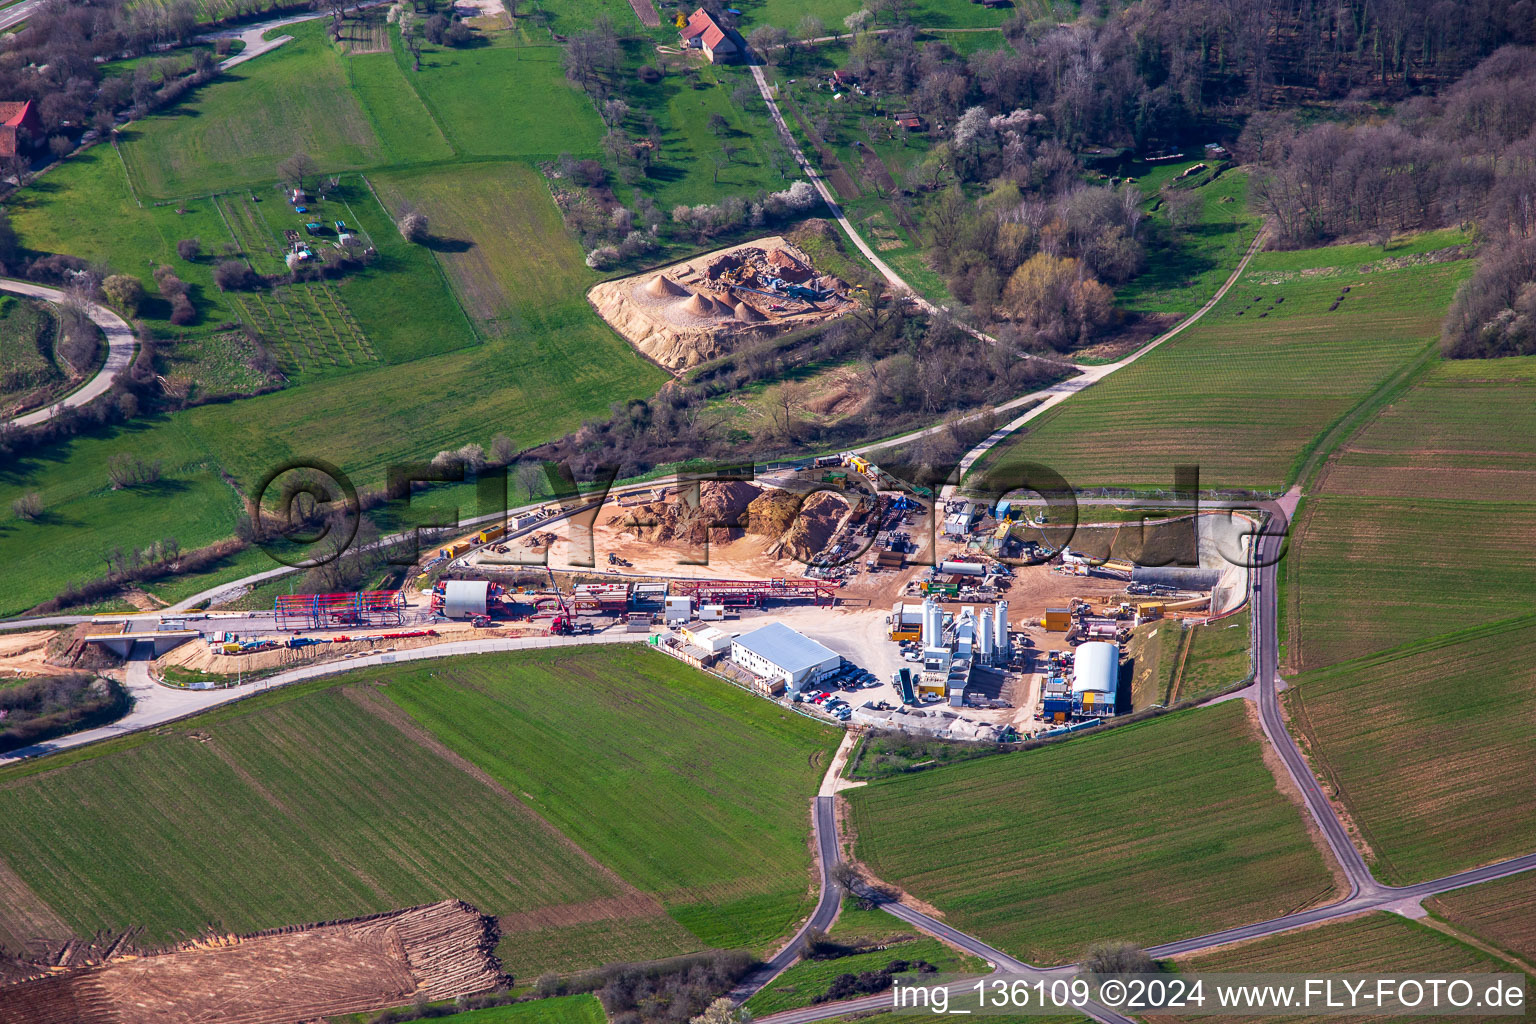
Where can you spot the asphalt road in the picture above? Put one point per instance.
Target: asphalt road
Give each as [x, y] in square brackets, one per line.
[121, 343]
[824, 824]
[15, 14]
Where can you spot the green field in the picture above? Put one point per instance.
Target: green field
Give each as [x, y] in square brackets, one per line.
[606, 771]
[1248, 391]
[506, 101]
[857, 928]
[27, 363]
[1147, 832]
[1378, 943]
[1466, 430]
[1429, 744]
[1175, 663]
[238, 128]
[1220, 654]
[722, 847]
[1502, 912]
[500, 241]
[582, 1009]
[1183, 275]
[1368, 574]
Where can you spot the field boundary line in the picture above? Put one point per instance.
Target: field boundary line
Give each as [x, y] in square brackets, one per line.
[1311, 465]
[374, 703]
[437, 265]
[122, 162]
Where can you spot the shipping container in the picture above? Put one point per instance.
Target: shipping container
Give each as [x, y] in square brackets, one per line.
[1057, 620]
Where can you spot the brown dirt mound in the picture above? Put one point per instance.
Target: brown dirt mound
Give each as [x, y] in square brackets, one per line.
[437, 951]
[815, 525]
[772, 514]
[662, 287]
[679, 521]
[748, 314]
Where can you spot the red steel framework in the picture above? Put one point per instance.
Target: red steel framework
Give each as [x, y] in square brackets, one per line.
[357, 608]
[752, 593]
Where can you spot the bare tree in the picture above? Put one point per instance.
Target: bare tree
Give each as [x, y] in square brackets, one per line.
[529, 476]
[29, 506]
[298, 167]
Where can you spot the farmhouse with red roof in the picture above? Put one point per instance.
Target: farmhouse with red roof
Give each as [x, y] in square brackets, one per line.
[19, 127]
[704, 33]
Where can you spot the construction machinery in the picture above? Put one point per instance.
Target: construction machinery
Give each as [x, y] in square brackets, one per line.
[564, 623]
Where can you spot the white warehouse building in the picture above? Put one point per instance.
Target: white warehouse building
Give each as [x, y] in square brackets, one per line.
[776, 652]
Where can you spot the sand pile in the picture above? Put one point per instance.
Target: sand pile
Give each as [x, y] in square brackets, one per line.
[800, 525]
[697, 304]
[663, 287]
[747, 314]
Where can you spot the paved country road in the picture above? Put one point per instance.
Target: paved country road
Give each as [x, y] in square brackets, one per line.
[15, 14]
[121, 345]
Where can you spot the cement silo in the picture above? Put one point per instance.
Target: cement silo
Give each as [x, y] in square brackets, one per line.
[933, 624]
[1000, 643]
[986, 639]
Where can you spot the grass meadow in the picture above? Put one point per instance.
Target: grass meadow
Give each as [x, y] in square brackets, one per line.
[1249, 390]
[238, 128]
[545, 788]
[1185, 273]
[1429, 744]
[503, 101]
[1146, 833]
[84, 519]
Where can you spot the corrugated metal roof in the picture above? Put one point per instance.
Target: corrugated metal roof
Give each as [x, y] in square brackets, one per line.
[789, 649]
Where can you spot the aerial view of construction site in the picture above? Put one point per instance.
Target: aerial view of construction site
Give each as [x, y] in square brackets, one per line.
[584, 512]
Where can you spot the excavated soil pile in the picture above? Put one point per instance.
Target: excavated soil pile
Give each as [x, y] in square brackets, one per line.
[679, 521]
[438, 951]
[709, 306]
[540, 541]
[772, 514]
[814, 526]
